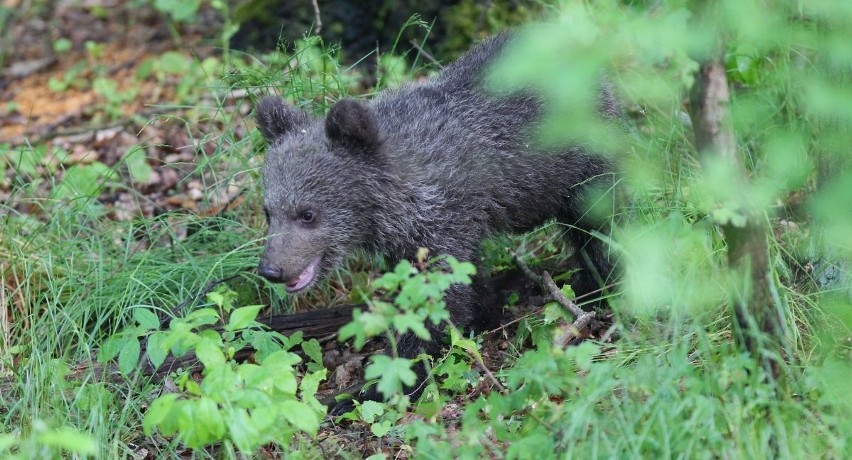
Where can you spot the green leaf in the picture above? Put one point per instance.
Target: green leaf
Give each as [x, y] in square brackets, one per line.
[285, 382]
[567, 291]
[145, 69]
[94, 396]
[128, 358]
[242, 430]
[156, 350]
[179, 10]
[725, 215]
[468, 345]
[209, 424]
[243, 317]
[267, 420]
[539, 442]
[282, 359]
[462, 271]
[146, 318]
[23, 160]
[137, 165]
[83, 180]
[553, 312]
[411, 322]
[62, 45]
[210, 353]
[105, 87]
[456, 371]
[157, 412]
[56, 85]
[393, 374]
[371, 411]
[583, 354]
[221, 383]
[203, 316]
[294, 339]
[311, 381]
[381, 428]
[363, 325]
[217, 298]
[70, 440]
[172, 424]
[301, 416]
[111, 347]
[313, 349]
[191, 425]
[263, 343]
[354, 329]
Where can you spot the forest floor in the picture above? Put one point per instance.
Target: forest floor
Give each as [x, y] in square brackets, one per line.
[85, 82]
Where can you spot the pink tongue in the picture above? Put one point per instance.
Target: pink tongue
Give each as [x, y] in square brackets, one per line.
[305, 277]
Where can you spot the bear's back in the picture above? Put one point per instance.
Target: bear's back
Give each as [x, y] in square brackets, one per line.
[451, 123]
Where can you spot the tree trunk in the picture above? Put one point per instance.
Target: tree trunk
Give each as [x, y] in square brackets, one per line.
[758, 324]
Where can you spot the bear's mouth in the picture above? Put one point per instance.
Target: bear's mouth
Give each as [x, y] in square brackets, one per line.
[305, 278]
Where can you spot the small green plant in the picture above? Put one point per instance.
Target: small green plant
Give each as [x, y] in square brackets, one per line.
[83, 180]
[188, 77]
[240, 404]
[418, 299]
[380, 417]
[137, 164]
[94, 50]
[71, 78]
[114, 96]
[62, 45]
[75, 76]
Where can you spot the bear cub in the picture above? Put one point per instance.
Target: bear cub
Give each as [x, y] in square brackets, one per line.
[440, 164]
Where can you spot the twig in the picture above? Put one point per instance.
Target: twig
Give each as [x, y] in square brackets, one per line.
[558, 296]
[525, 268]
[582, 319]
[317, 17]
[482, 365]
[425, 53]
[539, 309]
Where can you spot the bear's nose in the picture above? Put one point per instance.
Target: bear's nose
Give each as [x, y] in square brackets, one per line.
[270, 273]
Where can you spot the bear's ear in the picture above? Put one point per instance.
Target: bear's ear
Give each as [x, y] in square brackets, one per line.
[276, 118]
[352, 125]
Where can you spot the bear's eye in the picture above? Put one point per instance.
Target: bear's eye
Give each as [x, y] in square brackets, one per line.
[307, 216]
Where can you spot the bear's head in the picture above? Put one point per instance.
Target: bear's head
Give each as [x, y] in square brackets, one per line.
[319, 183]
